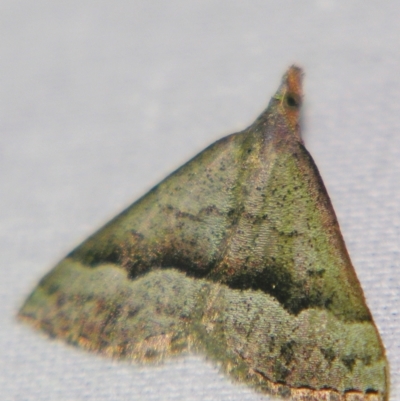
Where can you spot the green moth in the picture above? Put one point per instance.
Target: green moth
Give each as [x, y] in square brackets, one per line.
[237, 255]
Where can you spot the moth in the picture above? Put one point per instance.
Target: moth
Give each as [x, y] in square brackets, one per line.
[236, 255]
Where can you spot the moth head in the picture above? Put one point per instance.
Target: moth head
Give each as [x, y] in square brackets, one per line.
[288, 98]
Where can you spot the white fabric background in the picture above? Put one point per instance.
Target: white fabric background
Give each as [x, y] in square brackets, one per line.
[99, 100]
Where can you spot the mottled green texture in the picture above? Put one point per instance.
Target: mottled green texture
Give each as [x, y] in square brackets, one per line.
[166, 312]
[237, 254]
[250, 211]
